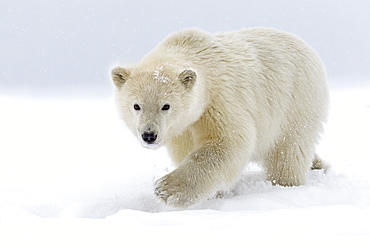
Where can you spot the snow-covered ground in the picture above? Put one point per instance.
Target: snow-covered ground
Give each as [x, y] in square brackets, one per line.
[72, 175]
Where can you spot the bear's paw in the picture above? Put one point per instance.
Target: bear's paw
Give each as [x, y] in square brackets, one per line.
[176, 191]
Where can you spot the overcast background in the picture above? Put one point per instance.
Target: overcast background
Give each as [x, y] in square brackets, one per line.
[53, 48]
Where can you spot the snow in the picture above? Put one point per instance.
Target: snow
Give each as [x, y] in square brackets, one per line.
[72, 173]
[158, 75]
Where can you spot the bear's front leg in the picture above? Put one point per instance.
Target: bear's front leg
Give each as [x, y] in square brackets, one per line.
[201, 174]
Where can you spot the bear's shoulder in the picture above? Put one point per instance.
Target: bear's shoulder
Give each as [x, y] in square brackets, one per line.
[189, 39]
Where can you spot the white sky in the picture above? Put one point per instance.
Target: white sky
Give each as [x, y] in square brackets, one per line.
[66, 45]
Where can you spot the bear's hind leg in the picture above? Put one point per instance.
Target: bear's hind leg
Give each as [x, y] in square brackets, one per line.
[288, 163]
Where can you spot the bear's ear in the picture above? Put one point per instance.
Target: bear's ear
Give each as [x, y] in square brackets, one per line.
[119, 76]
[188, 77]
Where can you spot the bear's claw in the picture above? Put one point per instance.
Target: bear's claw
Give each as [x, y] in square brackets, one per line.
[160, 192]
[162, 195]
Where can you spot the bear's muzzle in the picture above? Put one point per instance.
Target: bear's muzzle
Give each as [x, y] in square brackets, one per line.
[149, 137]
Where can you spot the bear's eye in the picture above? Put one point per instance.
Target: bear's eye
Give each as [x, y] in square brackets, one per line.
[137, 107]
[166, 107]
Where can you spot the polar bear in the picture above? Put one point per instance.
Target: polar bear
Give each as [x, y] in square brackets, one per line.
[219, 101]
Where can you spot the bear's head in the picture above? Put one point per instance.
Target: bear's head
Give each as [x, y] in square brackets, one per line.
[158, 104]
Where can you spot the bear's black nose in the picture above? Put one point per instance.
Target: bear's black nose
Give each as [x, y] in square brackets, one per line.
[149, 137]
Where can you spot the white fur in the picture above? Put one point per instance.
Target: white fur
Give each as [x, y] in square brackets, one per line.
[259, 95]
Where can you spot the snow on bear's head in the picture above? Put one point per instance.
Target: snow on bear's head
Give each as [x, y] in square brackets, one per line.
[157, 104]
